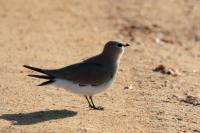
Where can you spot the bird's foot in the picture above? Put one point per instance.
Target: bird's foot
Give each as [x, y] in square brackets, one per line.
[96, 108]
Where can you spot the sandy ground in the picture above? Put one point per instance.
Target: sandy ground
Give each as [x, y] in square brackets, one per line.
[55, 33]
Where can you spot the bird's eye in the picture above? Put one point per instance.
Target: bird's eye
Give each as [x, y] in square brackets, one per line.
[119, 45]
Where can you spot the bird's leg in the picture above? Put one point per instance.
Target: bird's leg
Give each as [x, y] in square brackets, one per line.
[93, 105]
[88, 102]
[92, 102]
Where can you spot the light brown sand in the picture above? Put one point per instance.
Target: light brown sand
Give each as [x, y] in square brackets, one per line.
[55, 33]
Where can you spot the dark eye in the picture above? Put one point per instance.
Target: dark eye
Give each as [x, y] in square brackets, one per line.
[119, 45]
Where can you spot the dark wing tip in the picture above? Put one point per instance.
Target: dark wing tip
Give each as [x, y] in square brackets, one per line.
[35, 69]
[46, 83]
[41, 76]
[26, 66]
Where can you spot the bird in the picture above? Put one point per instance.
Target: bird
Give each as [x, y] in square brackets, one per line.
[88, 77]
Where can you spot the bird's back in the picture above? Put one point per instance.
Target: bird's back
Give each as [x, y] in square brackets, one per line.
[93, 71]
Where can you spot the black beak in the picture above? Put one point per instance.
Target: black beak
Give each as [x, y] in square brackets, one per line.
[126, 45]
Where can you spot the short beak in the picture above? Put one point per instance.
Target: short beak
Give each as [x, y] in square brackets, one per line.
[126, 45]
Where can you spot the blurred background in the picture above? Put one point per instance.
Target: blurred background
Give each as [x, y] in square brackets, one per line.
[157, 86]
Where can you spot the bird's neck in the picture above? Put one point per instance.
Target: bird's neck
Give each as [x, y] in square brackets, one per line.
[111, 59]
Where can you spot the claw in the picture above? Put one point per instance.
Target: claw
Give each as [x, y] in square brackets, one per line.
[97, 108]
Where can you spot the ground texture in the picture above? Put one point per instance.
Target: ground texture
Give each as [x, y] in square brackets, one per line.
[55, 33]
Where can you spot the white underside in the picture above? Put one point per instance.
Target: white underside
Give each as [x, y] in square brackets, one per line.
[83, 90]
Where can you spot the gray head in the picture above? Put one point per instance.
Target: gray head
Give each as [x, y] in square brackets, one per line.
[114, 49]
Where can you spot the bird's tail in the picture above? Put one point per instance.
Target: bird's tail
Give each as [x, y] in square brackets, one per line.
[41, 76]
[47, 82]
[35, 69]
[46, 76]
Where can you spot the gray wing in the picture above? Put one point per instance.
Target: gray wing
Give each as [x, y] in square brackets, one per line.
[83, 73]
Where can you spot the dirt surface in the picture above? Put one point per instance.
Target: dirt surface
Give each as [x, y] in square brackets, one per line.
[55, 33]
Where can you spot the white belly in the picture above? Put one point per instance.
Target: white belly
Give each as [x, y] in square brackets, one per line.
[83, 90]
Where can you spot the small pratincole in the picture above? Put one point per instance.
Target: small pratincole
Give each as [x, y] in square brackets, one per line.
[88, 77]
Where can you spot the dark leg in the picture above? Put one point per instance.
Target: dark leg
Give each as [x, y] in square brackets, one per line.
[92, 102]
[88, 102]
[93, 105]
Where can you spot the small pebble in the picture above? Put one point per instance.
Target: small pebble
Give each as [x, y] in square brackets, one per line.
[130, 87]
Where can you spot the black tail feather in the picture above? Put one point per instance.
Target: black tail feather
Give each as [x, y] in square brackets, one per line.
[41, 76]
[46, 83]
[47, 76]
[35, 69]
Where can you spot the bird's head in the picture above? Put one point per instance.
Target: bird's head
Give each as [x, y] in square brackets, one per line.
[114, 49]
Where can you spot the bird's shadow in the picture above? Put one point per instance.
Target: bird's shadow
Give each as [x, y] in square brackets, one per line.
[36, 117]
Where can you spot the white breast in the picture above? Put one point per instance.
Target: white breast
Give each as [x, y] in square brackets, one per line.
[83, 90]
